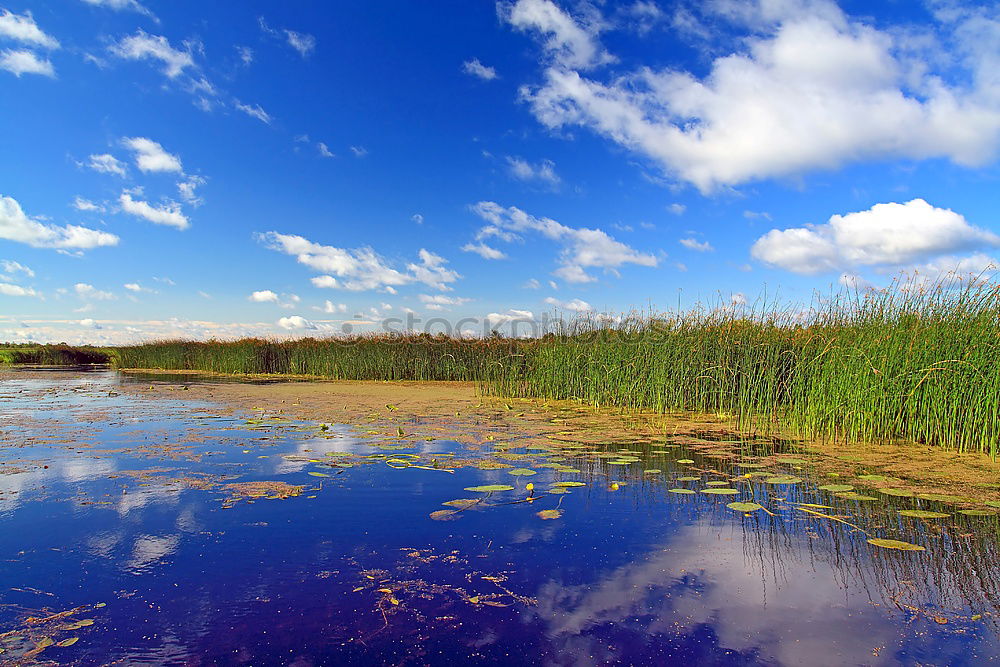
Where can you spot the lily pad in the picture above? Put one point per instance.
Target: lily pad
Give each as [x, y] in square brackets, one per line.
[941, 497]
[689, 479]
[992, 503]
[853, 495]
[569, 483]
[837, 488]
[744, 507]
[977, 512]
[652, 471]
[783, 479]
[550, 514]
[717, 483]
[685, 461]
[522, 471]
[924, 514]
[681, 491]
[444, 515]
[619, 463]
[68, 642]
[873, 478]
[489, 488]
[461, 503]
[901, 493]
[790, 459]
[721, 492]
[894, 544]
[318, 474]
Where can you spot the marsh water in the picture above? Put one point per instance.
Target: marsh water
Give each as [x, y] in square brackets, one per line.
[144, 530]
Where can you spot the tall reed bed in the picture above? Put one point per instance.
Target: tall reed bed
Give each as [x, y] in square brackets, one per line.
[418, 357]
[914, 362]
[54, 355]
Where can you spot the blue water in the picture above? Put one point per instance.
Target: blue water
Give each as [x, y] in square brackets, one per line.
[115, 507]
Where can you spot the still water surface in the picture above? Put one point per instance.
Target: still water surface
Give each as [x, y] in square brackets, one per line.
[140, 518]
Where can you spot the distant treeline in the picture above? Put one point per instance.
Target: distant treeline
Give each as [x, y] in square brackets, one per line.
[913, 363]
[57, 355]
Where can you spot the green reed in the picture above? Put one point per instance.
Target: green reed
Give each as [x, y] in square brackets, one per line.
[914, 362]
[52, 355]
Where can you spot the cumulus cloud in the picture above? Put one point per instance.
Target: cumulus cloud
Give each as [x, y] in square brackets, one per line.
[886, 235]
[677, 209]
[543, 171]
[324, 150]
[440, 301]
[264, 296]
[107, 164]
[22, 28]
[9, 289]
[168, 214]
[332, 308]
[361, 268]
[575, 305]
[359, 151]
[511, 315]
[142, 46]
[88, 292]
[484, 251]
[255, 111]
[568, 41]
[11, 267]
[582, 248]
[295, 322]
[15, 225]
[90, 324]
[136, 287]
[25, 62]
[824, 90]
[150, 156]
[187, 189]
[81, 204]
[477, 69]
[696, 245]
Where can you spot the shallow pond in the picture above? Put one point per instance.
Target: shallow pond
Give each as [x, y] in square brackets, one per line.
[150, 531]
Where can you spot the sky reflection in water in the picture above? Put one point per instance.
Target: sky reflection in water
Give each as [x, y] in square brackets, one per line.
[191, 576]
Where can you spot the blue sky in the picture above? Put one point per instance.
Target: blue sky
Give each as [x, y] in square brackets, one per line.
[182, 169]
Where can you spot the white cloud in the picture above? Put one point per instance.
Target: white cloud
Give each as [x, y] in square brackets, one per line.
[150, 156]
[81, 204]
[294, 322]
[8, 289]
[677, 209]
[531, 283]
[91, 293]
[575, 305]
[264, 296]
[440, 301]
[359, 151]
[324, 151]
[245, 53]
[16, 226]
[255, 111]
[511, 315]
[22, 28]
[141, 46]
[885, 235]
[756, 215]
[476, 68]
[186, 188]
[301, 42]
[168, 214]
[824, 91]
[25, 62]
[694, 244]
[581, 248]
[136, 287]
[543, 171]
[417, 218]
[90, 324]
[331, 307]
[11, 267]
[120, 5]
[361, 268]
[107, 164]
[738, 299]
[484, 251]
[568, 42]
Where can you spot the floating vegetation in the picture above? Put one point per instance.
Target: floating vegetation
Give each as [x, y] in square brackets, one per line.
[894, 544]
[256, 490]
[721, 492]
[525, 472]
[745, 507]
[783, 479]
[490, 488]
[900, 493]
[924, 514]
[837, 488]
[683, 491]
[550, 514]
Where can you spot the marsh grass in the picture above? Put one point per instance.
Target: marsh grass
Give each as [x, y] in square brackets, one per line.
[52, 355]
[914, 362]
